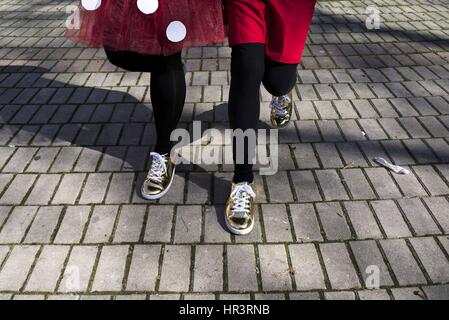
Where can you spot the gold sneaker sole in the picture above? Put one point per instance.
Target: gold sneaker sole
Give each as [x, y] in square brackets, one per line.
[240, 232]
[159, 195]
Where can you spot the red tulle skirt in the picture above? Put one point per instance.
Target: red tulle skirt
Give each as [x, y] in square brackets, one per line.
[147, 26]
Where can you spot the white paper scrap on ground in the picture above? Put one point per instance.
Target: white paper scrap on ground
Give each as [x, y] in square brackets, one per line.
[392, 167]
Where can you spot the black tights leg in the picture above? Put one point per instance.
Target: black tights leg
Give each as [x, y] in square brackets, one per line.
[167, 87]
[249, 68]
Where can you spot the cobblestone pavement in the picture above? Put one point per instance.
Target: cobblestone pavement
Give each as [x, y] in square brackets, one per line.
[75, 138]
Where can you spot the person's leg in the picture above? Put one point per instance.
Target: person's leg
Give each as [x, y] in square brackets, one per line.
[168, 93]
[167, 87]
[279, 78]
[247, 70]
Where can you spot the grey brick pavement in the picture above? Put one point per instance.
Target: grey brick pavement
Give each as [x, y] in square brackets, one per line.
[75, 137]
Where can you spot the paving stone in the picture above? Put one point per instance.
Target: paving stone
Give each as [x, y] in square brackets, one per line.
[306, 267]
[16, 267]
[409, 185]
[110, 270]
[4, 213]
[373, 295]
[159, 224]
[88, 160]
[328, 155]
[234, 296]
[370, 261]
[432, 258]
[132, 297]
[391, 219]
[431, 180]
[95, 187]
[407, 293]
[120, 188]
[306, 188]
[339, 295]
[208, 270]
[4, 250]
[362, 220]
[305, 223]
[269, 296]
[175, 274]
[44, 224]
[95, 297]
[333, 220]
[382, 183]
[352, 155]
[420, 151]
[78, 270]
[112, 159]
[214, 225]
[42, 160]
[357, 184]
[188, 224]
[437, 292]
[305, 156]
[66, 159]
[198, 187]
[143, 271]
[274, 268]
[304, 296]
[130, 223]
[331, 185]
[393, 129]
[276, 222]
[241, 267]
[402, 262]
[440, 210]
[436, 129]
[440, 148]
[279, 188]
[340, 270]
[43, 189]
[196, 296]
[5, 179]
[28, 297]
[68, 189]
[17, 224]
[418, 216]
[73, 224]
[20, 160]
[47, 270]
[170, 296]
[101, 224]
[18, 188]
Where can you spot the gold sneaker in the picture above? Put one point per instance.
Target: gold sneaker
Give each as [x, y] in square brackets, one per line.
[240, 208]
[159, 178]
[281, 110]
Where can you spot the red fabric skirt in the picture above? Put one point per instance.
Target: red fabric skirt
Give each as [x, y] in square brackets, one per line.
[152, 27]
[282, 25]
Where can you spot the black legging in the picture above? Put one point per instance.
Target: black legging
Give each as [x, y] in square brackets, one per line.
[167, 88]
[249, 68]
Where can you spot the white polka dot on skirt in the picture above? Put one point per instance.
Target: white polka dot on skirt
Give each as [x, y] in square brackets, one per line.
[91, 5]
[147, 6]
[176, 31]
